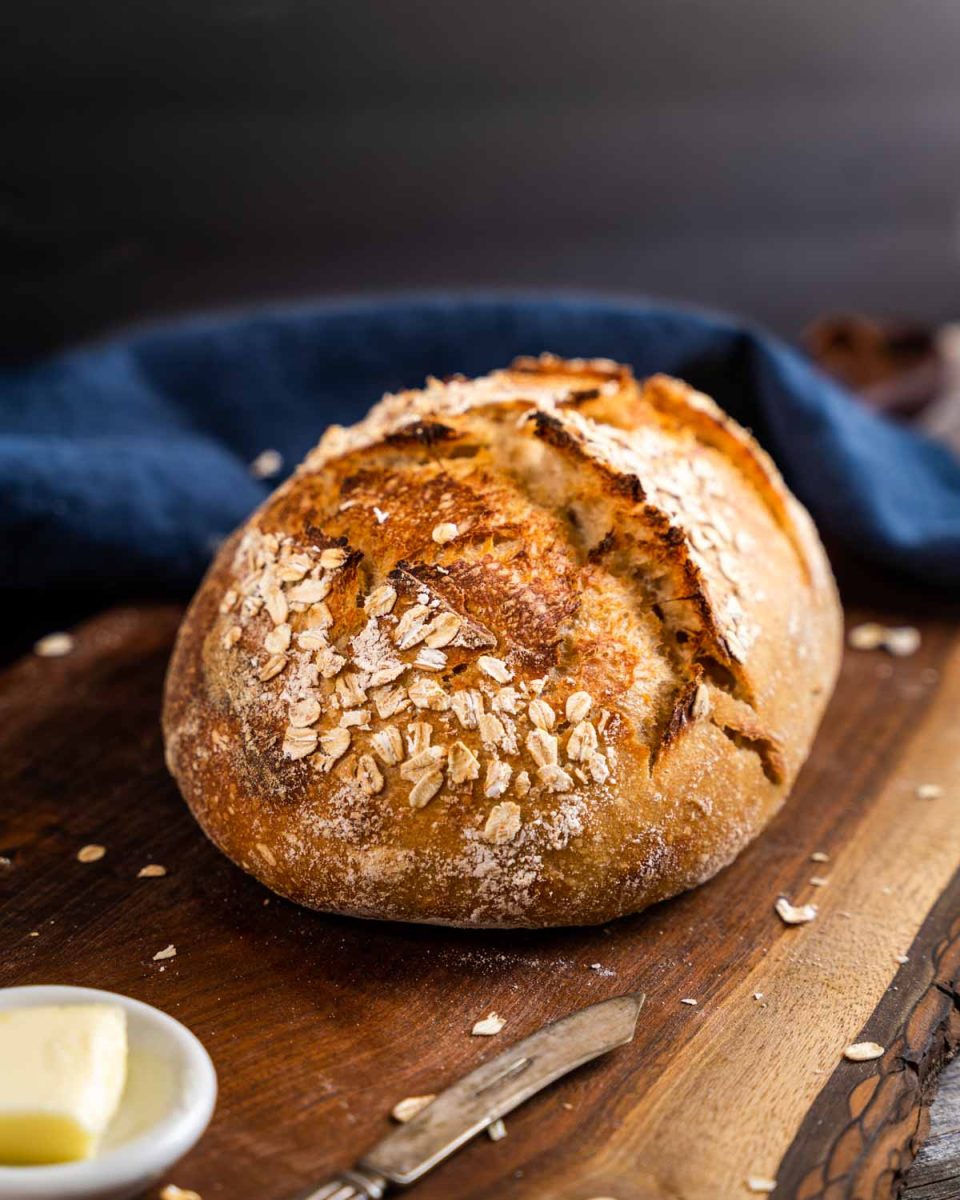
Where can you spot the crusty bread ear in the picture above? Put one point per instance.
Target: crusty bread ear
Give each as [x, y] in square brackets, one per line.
[533, 649]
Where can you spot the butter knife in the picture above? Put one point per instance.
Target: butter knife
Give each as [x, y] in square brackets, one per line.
[480, 1098]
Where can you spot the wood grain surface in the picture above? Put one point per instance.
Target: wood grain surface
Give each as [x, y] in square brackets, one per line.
[318, 1025]
[935, 1174]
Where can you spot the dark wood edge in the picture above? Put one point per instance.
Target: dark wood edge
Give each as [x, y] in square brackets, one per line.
[864, 1129]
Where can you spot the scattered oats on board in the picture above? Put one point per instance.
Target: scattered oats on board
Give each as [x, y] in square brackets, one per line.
[405, 1110]
[91, 854]
[794, 914]
[759, 1185]
[689, 1000]
[151, 871]
[903, 641]
[489, 1026]
[168, 952]
[54, 645]
[758, 996]
[172, 1192]
[929, 791]
[267, 464]
[863, 1052]
[899, 640]
[818, 881]
[819, 856]
[497, 1131]
[868, 636]
[902, 959]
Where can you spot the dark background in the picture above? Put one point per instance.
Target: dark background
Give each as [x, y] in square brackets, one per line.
[780, 159]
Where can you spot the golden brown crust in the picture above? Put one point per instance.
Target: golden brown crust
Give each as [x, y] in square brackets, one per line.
[540, 648]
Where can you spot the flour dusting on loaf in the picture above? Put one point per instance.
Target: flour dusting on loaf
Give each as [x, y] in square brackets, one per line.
[533, 649]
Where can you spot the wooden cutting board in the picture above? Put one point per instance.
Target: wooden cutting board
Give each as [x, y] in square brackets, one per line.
[318, 1025]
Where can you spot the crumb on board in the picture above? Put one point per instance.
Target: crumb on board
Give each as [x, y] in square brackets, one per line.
[794, 914]
[496, 1130]
[407, 1108]
[267, 464]
[489, 1026]
[898, 640]
[819, 856]
[91, 853]
[863, 1052]
[151, 871]
[172, 1192]
[54, 645]
[929, 791]
[167, 952]
[760, 1185]
[688, 1000]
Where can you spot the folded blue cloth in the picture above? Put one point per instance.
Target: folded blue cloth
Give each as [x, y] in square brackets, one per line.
[122, 465]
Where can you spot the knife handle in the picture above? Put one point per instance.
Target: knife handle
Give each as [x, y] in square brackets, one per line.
[358, 1184]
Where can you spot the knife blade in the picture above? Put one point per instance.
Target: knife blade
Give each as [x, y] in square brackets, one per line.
[491, 1091]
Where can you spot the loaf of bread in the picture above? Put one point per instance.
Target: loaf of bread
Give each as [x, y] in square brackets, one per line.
[539, 648]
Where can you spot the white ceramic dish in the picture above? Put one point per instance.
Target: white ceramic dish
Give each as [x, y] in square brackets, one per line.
[167, 1103]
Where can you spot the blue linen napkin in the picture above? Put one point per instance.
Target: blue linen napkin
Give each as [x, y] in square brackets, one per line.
[122, 465]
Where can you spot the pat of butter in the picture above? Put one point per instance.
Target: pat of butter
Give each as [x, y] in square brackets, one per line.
[62, 1071]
